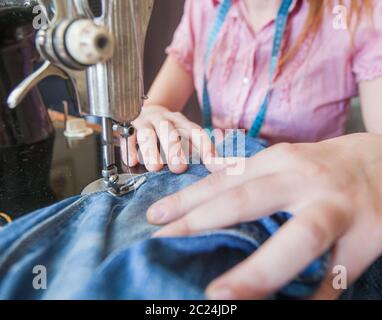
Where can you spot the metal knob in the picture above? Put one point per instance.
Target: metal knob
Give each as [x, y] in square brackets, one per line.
[68, 43]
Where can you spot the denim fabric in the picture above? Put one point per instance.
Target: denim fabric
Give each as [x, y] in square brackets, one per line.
[99, 247]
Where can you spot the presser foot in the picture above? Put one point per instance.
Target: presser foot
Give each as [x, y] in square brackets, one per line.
[118, 185]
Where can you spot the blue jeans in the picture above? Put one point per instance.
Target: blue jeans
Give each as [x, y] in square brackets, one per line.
[99, 247]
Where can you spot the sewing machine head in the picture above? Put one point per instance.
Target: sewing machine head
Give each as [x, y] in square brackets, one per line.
[109, 48]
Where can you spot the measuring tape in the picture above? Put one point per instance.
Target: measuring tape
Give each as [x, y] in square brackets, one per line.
[280, 30]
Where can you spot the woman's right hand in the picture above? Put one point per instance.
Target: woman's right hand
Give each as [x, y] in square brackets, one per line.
[172, 130]
[333, 188]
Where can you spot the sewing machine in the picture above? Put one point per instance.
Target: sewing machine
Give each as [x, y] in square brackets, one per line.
[108, 47]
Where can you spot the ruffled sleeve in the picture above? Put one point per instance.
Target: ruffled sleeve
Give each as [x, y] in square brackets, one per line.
[367, 59]
[182, 46]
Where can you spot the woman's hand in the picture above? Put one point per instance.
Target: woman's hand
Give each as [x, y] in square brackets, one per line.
[334, 190]
[172, 129]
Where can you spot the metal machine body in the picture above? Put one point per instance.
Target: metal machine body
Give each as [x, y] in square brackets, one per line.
[109, 48]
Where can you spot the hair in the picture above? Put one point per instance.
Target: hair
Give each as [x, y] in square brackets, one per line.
[356, 11]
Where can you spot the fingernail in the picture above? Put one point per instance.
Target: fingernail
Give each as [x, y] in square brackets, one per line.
[220, 293]
[156, 213]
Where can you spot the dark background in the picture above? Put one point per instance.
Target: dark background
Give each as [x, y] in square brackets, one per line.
[165, 18]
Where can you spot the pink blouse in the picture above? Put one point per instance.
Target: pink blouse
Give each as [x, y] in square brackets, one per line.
[312, 92]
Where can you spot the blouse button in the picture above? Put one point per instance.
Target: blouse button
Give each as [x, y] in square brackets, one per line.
[245, 81]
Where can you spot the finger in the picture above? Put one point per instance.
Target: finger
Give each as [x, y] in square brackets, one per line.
[132, 150]
[176, 205]
[328, 289]
[172, 207]
[148, 145]
[171, 145]
[197, 135]
[203, 144]
[282, 257]
[349, 261]
[247, 202]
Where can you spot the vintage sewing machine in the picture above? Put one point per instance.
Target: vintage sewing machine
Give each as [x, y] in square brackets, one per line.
[108, 47]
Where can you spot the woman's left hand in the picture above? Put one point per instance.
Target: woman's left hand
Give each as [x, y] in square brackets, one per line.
[334, 190]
